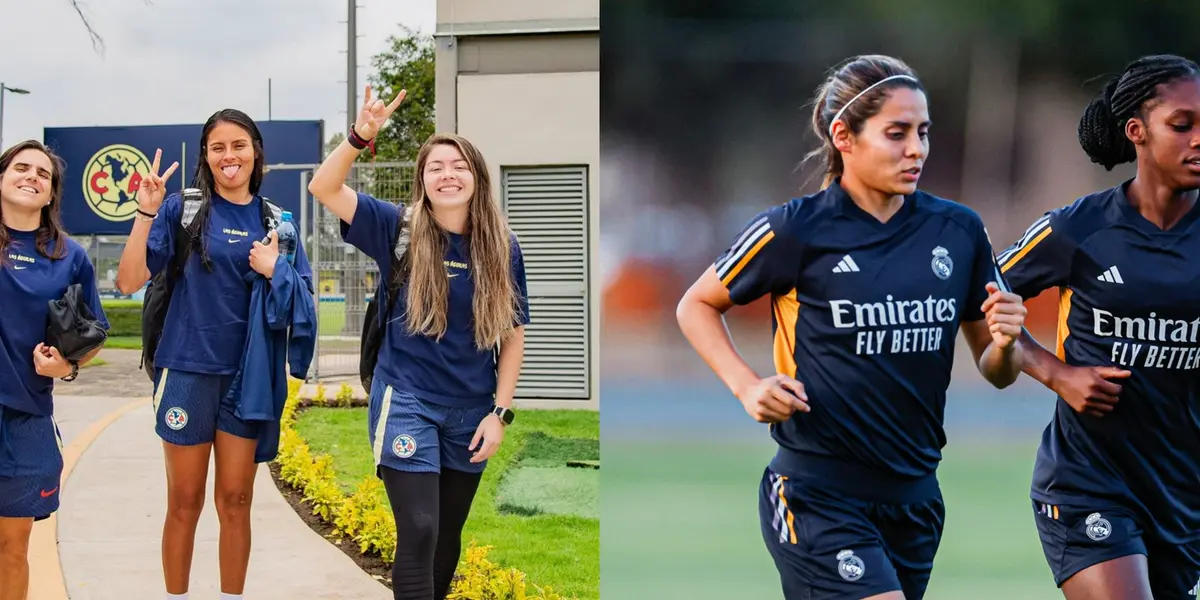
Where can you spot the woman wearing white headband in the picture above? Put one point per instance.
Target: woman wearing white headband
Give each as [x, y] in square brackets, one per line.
[886, 275]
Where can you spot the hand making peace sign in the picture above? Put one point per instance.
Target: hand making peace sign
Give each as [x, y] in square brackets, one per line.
[153, 187]
[374, 115]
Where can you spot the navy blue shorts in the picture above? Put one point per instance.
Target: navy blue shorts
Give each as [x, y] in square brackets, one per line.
[190, 407]
[830, 545]
[1075, 538]
[419, 436]
[31, 464]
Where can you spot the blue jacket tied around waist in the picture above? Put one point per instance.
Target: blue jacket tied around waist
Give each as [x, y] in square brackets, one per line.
[282, 323]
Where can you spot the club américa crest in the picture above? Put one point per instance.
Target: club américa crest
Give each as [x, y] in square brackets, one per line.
[176, 418]
[942, 265]
[404, 445]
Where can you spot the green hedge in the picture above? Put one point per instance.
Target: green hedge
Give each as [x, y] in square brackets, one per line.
[124, 317]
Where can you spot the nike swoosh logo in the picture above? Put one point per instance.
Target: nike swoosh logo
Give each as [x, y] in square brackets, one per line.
[18, 268]
[46, 494]
[234, 240]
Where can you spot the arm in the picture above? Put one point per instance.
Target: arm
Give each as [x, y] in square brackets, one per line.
[329, 182]
[508, 367]
[999, 364]
[133, 271]
[758, 263]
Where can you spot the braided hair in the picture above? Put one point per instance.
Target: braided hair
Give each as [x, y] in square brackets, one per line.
[1126, 96]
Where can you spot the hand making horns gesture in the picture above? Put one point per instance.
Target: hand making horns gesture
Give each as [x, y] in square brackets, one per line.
[374, 114]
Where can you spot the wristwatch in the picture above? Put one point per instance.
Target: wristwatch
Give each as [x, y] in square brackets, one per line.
[74, 372]
[506, 414]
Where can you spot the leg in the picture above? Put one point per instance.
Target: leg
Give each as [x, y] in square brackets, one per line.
[1124, 578]
[187, 475]
[185, 405]
[1095, 554]
[404, 440]
[457, 492]
[14, 557]
[825, 547]
[912, 534]
[460, 481]
[414, 500]
[233, 493]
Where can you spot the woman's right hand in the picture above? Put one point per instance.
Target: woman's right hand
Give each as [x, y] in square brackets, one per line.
[374, 114]
[774, 399]
[1088, 389]
[153, 187]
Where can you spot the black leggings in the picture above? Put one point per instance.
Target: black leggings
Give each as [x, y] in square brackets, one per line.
[430, 511]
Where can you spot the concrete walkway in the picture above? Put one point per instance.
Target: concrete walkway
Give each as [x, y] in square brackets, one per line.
[109, 527]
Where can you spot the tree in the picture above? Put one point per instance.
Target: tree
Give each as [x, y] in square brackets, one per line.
[97, 41]
[334, 141]
[407, 64]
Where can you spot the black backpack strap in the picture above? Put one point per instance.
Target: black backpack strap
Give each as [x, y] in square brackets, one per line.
[399, 264]
[193, 198]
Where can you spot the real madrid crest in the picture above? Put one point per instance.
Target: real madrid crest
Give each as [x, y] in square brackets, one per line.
[1098, 527]
[942, 265]
[850, 567]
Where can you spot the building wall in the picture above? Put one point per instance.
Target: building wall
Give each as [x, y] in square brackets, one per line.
[522, 81]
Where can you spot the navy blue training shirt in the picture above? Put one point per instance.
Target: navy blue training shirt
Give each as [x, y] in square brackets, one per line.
[205, 327]
[1129, 296]
[28, 282]
[865, 315]
[450, 371]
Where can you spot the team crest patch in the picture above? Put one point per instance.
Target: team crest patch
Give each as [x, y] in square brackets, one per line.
[1098, 527]
[176, 418]
[404, 446]
[850, 567]
[942, 265]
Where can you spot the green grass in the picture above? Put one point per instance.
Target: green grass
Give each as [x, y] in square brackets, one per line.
[681, 521]
[124, 342]
[562, 551]
[545, 482]
[331, 318]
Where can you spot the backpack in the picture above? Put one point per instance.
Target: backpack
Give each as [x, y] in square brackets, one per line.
[375, 321]
[158, 293]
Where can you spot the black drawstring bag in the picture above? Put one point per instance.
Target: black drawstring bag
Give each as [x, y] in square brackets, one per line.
[71, 327]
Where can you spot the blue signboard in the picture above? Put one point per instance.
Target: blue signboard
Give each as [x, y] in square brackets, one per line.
[105, 165]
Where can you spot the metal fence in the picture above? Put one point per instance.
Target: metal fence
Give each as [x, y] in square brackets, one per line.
[344, 277]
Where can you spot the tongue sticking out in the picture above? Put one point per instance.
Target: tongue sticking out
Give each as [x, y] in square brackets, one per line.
[230, 170]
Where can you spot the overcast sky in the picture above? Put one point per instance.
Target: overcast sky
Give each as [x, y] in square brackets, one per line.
[178, 61]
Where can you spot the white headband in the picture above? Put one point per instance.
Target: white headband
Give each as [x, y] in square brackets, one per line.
[869, 88]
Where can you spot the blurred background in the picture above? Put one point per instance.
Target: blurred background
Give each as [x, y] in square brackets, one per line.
[705, 120]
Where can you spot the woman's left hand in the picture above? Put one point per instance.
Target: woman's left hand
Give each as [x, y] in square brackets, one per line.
[491, 433]
[49, 362]
[262, 258]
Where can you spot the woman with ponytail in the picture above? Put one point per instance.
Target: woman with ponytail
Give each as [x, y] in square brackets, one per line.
[1116, 494]
[887, 276]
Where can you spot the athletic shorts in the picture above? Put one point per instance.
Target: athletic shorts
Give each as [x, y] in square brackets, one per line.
[1075, 537]
[418, 436]
[31, 464]
[191, 407]
[829, 545]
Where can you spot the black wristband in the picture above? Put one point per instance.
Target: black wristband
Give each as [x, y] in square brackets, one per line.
[146, 214]
[356, 140]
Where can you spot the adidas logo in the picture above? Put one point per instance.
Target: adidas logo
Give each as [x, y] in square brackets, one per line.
[1112, 275]
[846, 265]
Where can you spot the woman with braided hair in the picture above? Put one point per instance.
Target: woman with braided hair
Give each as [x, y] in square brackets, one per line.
[1115, 491]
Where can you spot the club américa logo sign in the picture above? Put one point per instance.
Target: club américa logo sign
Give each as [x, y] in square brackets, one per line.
[111, 179]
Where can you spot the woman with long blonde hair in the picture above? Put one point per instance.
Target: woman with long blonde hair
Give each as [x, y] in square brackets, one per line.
[453, 342]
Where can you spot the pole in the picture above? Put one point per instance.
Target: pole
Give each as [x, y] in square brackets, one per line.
[268, 98]
[2, 88]
[351, 63]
